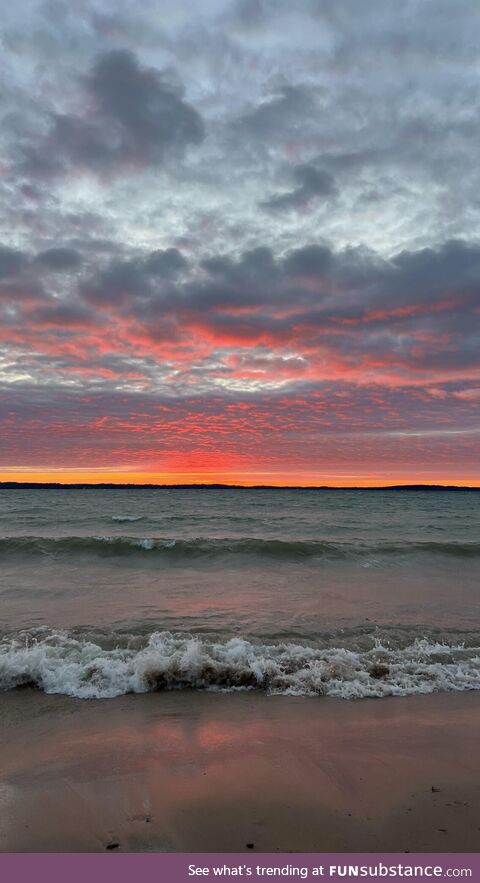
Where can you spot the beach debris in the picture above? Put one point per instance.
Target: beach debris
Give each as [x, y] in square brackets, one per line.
[112, 845]
[443, 830]
[250, 845]
[436, 790]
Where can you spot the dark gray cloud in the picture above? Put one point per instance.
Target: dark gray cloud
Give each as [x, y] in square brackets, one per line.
[149, 109]
[256, 264]
[455, 267]
[59, 259]
[166, 263]
[133, 117]
[360, 306]
[118, 283]
[12, 261]
[312, 183]
[310, 260]
[359, 278]
[124, 279]
[70, 314]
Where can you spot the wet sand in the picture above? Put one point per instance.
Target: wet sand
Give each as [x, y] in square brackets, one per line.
[193, 772]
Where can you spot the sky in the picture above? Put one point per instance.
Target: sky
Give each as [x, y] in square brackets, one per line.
[240, 241]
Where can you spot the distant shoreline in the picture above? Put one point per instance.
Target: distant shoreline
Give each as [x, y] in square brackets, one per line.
[32, 485]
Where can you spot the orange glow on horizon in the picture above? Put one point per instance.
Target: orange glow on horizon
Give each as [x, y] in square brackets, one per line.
[235, 479]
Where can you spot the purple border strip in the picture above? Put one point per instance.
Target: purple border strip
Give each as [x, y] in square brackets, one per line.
[185, 867]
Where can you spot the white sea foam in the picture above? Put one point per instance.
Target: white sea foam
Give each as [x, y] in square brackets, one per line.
[58, 662]
[122, 518]
[146, 544]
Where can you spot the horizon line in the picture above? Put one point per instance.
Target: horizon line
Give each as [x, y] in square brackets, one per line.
[102, 485]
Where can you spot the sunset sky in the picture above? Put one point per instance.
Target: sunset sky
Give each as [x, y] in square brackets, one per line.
[240, 241]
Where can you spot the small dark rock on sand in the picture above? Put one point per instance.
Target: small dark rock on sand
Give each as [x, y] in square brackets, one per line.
[112, 846]
[250, 845]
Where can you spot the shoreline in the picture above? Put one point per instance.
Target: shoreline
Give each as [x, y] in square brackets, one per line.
[206, 772]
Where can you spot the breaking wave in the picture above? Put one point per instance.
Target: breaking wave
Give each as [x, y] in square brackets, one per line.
[91, 665]
[198, 547]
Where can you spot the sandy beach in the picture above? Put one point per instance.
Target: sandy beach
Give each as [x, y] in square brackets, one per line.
[190, 771]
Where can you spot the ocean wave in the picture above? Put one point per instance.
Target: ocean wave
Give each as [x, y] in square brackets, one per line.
[198, 547]
[122, 518]
[88, 666]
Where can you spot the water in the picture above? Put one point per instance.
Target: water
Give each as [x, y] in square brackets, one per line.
[344, 593]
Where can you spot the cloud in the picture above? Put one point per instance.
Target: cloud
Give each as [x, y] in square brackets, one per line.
[166, 263]
[150, 111]
[60, 259]
[312, 183]
[315, 313]
[280, 114]
[69, 315]
[134, 117]
[322, 432]
[133, 278]
[284, 248]
[310, 260]
[12, 261]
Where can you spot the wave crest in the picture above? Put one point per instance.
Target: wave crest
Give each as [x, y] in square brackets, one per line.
[202, 547]
[63, 662]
